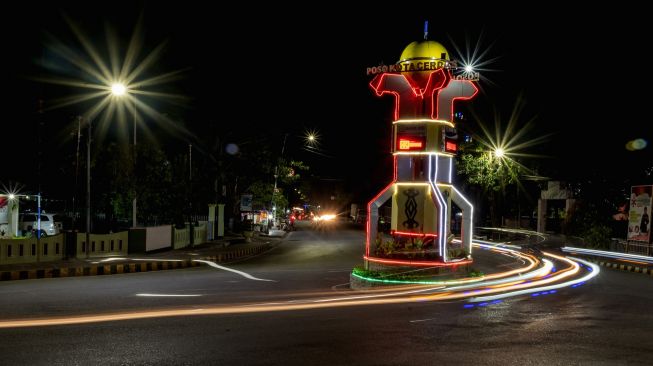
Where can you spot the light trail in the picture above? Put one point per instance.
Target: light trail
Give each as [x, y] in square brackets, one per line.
[593, 273]
[525, 281]
[246, 275]
[602, 253]
[167, 295]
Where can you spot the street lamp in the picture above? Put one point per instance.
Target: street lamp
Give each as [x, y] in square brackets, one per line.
[311, 140]
[499, 152]
[120, 90]
[88, 188]
[276, 175]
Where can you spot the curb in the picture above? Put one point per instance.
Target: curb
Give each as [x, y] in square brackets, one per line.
[95, 270]
[109, 269]
[242, 253]
[624, 267]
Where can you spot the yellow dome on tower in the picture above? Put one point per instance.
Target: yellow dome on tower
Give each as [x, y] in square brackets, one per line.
[422, 50]
[421, 58]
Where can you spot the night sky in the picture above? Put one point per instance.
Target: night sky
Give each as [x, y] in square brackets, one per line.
[581, 76]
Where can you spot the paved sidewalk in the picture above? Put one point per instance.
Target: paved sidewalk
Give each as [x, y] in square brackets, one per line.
[227, 249]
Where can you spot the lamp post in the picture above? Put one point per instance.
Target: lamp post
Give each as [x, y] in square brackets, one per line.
[311, 140]
[276, 175]
[120, 90]
[134, 222]
[88, 188]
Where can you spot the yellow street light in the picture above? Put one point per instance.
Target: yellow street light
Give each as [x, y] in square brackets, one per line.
[118, 89]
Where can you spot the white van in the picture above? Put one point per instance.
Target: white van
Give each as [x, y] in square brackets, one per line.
[29, 222]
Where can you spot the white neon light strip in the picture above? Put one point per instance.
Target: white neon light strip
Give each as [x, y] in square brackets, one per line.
[424, 120]
[422, 153]
[602, 253]
[471, 221]
[412, 184]
[442, 235]
[246, 275]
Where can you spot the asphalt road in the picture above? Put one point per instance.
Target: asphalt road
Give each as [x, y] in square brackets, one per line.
[604, 322]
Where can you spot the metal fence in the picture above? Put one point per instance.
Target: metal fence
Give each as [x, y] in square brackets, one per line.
[631, 247]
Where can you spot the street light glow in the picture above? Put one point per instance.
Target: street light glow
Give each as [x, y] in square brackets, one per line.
[118, 89]
[12, 196]
[312, 138]
[469, 68]
[499, 152]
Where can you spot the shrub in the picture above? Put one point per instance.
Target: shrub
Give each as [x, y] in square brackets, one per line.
[598, 237]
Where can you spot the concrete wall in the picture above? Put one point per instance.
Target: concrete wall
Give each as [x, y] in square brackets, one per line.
[146, 239]
[181, 238]
[50, 248]
[103, 244]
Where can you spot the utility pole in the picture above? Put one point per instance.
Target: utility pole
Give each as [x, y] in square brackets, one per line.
[191, 232]
[88, 188]
[79, 134]
[276, 174]
[134, 222]
[40, 156]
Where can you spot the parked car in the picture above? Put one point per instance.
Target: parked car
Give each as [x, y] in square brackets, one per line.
[28, 222]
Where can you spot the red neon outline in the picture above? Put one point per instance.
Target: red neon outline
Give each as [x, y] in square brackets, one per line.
[376, 84]
[431, 86]
[462, 98]
[413, 263]
[395, 232]
[453, 100]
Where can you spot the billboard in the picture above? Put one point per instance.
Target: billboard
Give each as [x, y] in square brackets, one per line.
[4, 209]
[639, 226]
[246, 202]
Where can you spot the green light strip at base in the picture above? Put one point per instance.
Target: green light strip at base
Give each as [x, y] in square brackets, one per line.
[479, 279]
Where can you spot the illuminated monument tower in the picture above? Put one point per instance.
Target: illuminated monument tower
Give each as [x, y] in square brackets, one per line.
[425, 86]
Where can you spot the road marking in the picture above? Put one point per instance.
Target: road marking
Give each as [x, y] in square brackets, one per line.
[246, 275]
[422, 320]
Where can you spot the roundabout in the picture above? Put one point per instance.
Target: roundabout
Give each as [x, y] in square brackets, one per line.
[542, 272]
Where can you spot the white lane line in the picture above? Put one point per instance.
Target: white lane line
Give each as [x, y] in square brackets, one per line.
[422, 320]
[167, 295]
[246, 275]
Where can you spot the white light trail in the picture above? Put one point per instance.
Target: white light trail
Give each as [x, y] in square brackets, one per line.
[593, 273]
[602, 253]
[246, 275]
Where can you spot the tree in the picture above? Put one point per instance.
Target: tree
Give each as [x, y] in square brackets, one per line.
[491, 173]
